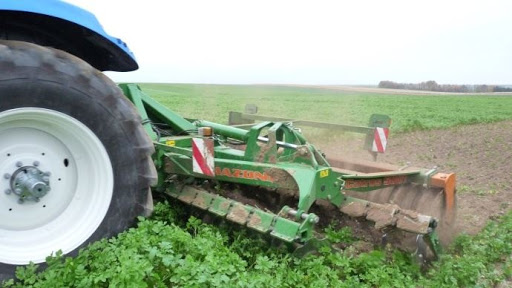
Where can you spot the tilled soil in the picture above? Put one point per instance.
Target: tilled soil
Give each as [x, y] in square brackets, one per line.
[480, 155]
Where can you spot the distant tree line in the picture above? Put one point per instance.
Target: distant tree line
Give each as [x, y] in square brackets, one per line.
[433, 86]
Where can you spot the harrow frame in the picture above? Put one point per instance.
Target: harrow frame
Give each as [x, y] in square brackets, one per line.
[277, 156]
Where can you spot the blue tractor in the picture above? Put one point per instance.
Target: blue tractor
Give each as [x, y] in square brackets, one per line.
[75, 162]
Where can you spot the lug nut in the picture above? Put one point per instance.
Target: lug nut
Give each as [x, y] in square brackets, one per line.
[8, 191]
[7, 175]
[48, 173]
[17, 191]
[20, 201]
[19, 164]
[36, 163]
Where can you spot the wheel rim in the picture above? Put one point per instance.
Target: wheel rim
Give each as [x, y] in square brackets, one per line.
[80, 184]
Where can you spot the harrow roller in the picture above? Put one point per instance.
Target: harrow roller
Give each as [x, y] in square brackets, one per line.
[432, 201]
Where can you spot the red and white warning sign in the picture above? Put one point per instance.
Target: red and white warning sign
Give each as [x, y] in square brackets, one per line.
[380, 139]
[203, 161]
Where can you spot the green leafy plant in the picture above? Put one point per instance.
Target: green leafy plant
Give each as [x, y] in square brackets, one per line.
[341, 235]
[162, 253]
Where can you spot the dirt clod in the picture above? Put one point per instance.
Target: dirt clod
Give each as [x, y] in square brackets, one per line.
[382, 215]
[355, 209]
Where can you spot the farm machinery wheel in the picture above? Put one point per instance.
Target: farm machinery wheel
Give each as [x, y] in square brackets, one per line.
[75, 162]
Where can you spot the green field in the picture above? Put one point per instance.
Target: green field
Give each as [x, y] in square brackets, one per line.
[171, 249]
[212, 102]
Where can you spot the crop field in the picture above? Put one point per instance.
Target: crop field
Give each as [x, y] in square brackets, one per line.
[409, 112]
[470, 135]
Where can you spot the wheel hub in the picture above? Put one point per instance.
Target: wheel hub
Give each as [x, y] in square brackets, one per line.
[28, 183]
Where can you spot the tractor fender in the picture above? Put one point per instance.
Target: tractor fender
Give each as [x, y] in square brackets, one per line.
[66, 27]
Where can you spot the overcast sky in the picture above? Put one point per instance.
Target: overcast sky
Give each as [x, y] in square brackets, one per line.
[312, 42]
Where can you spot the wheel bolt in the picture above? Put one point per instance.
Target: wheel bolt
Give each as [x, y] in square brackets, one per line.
[7, 175]
[19, 164]
[8, 191]
[20, 201]
[48, 173]
[17, 191]
[36, 163]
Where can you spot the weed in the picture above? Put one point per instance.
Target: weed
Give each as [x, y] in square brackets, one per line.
[451, 166]
[342, 235]
[462, 189]
[487, 192]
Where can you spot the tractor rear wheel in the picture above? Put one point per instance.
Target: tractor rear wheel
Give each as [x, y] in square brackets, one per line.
[75, 162]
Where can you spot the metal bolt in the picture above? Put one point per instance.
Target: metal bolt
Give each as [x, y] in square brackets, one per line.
[8, 191]
[17, 191]
[20, 201]
[384, 239]
[48, 173]
[36, 199]
[46, 178]
[19, 164]
[7, 175]
[36, 163]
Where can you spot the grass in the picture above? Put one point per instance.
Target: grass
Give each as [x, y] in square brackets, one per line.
[409, 113]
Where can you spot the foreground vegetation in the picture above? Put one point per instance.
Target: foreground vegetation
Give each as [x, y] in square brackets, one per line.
[409, 113]
[166, 251]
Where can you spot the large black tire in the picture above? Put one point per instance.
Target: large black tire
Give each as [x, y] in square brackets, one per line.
[35, 76]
